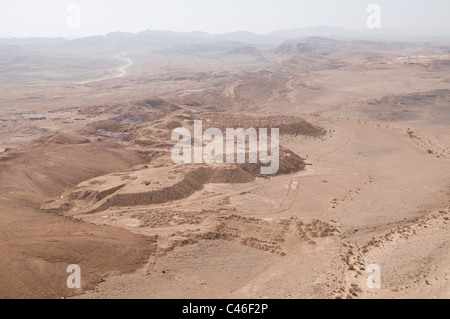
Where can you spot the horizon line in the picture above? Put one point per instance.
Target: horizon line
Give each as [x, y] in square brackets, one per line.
[363, 31]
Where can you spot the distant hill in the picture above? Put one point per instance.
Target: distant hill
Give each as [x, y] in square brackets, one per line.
[292, 41]
[244, 50]
[311, 31]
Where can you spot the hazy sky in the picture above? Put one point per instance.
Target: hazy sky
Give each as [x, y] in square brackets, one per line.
[39, 18]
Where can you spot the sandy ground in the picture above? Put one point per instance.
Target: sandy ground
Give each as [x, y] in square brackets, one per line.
[375, 189]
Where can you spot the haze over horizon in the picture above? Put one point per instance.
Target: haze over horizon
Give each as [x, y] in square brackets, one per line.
[26, 18]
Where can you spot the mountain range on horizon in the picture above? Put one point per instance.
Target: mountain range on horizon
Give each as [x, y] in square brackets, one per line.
[196, 42]
[324, 30]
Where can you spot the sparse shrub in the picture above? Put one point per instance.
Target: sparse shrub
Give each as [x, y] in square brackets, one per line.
[96, 182]
[154, 102]
[173, 125]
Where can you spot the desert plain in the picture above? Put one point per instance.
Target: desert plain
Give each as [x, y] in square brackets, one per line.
[86, 175]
